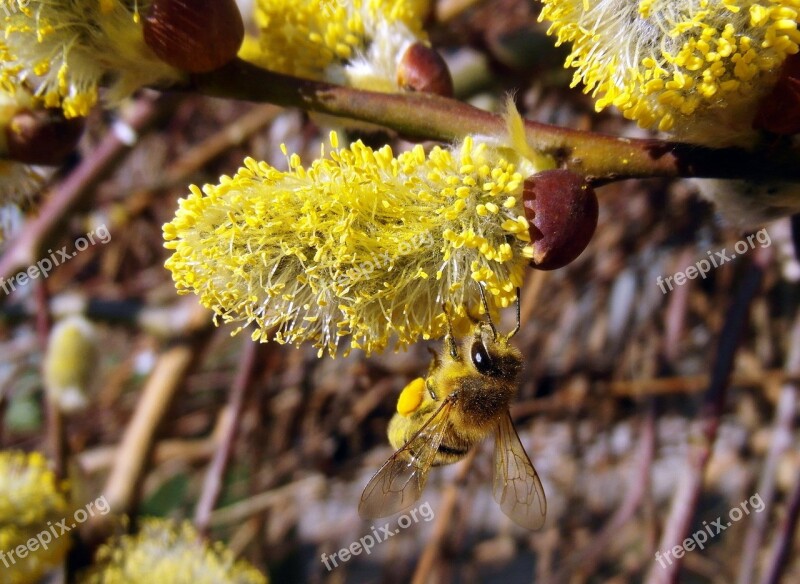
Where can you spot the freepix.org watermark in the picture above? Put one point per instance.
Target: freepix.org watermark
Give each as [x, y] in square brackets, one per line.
[56, 258]
[699, 538]
[378, 535]
[715, 260]
[378, 261]
[10, 8]
[99, 506]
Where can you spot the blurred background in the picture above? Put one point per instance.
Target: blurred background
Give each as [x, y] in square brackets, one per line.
[642, 411]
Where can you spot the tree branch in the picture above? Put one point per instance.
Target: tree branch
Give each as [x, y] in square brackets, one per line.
[598, 156]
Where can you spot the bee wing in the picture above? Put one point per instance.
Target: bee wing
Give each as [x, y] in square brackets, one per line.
[399, 482]
[517, 487]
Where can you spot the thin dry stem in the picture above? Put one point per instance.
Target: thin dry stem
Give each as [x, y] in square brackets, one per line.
[687, 494]
[781, 442]
[77, 187]
[174, 364]
[586, 559]
[212, 485]
[783, 541]
[246, 509]
[444, 520]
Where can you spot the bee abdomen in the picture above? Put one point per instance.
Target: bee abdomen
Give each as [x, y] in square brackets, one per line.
[449, 454]
[452, 450]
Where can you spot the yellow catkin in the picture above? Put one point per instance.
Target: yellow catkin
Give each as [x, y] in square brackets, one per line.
[69, 363]
[63, 50]
[695, 68]
[171, 554]
[361, 244]
[18, 181]
[358, 42]
[31, 498]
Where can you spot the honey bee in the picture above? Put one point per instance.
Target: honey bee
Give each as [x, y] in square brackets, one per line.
[464, 398]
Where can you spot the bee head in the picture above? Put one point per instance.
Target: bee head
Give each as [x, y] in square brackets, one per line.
[491, 353]
[489, 322]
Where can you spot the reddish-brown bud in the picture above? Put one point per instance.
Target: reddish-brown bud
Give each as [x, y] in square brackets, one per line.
[561, 208]
[779, 111]
[42, 136]
[422, 69]
[194, 35]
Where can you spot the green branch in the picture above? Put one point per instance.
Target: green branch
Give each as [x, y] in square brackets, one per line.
[600, 157]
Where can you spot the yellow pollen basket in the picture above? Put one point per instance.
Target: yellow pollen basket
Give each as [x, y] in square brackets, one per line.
[411, 397]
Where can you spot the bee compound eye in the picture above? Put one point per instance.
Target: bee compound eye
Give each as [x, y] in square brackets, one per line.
[481, 359]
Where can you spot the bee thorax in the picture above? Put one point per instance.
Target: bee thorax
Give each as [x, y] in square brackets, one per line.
[478, 408]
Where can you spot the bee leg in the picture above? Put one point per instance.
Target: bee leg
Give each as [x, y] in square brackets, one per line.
[516, 328]
[486, 308]
[449, 338]
[431, 390]
[452, 347]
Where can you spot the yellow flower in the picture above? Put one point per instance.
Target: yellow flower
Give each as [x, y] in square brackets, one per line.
[11, 216]
[696, 68]
[168, 554]
[64, 49]
[350, 42]
[748, 204]
[18, 181]
[69, 363]
[360, 244]
[31, 499]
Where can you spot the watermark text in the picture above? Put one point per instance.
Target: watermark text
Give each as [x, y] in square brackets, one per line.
[378, 535]
[44, 538]
[699, 538]
[384, 260]
[715, 259]
[44, 266]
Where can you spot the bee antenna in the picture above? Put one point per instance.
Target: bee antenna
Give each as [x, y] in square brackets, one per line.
[516, 328]
[486, 308]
